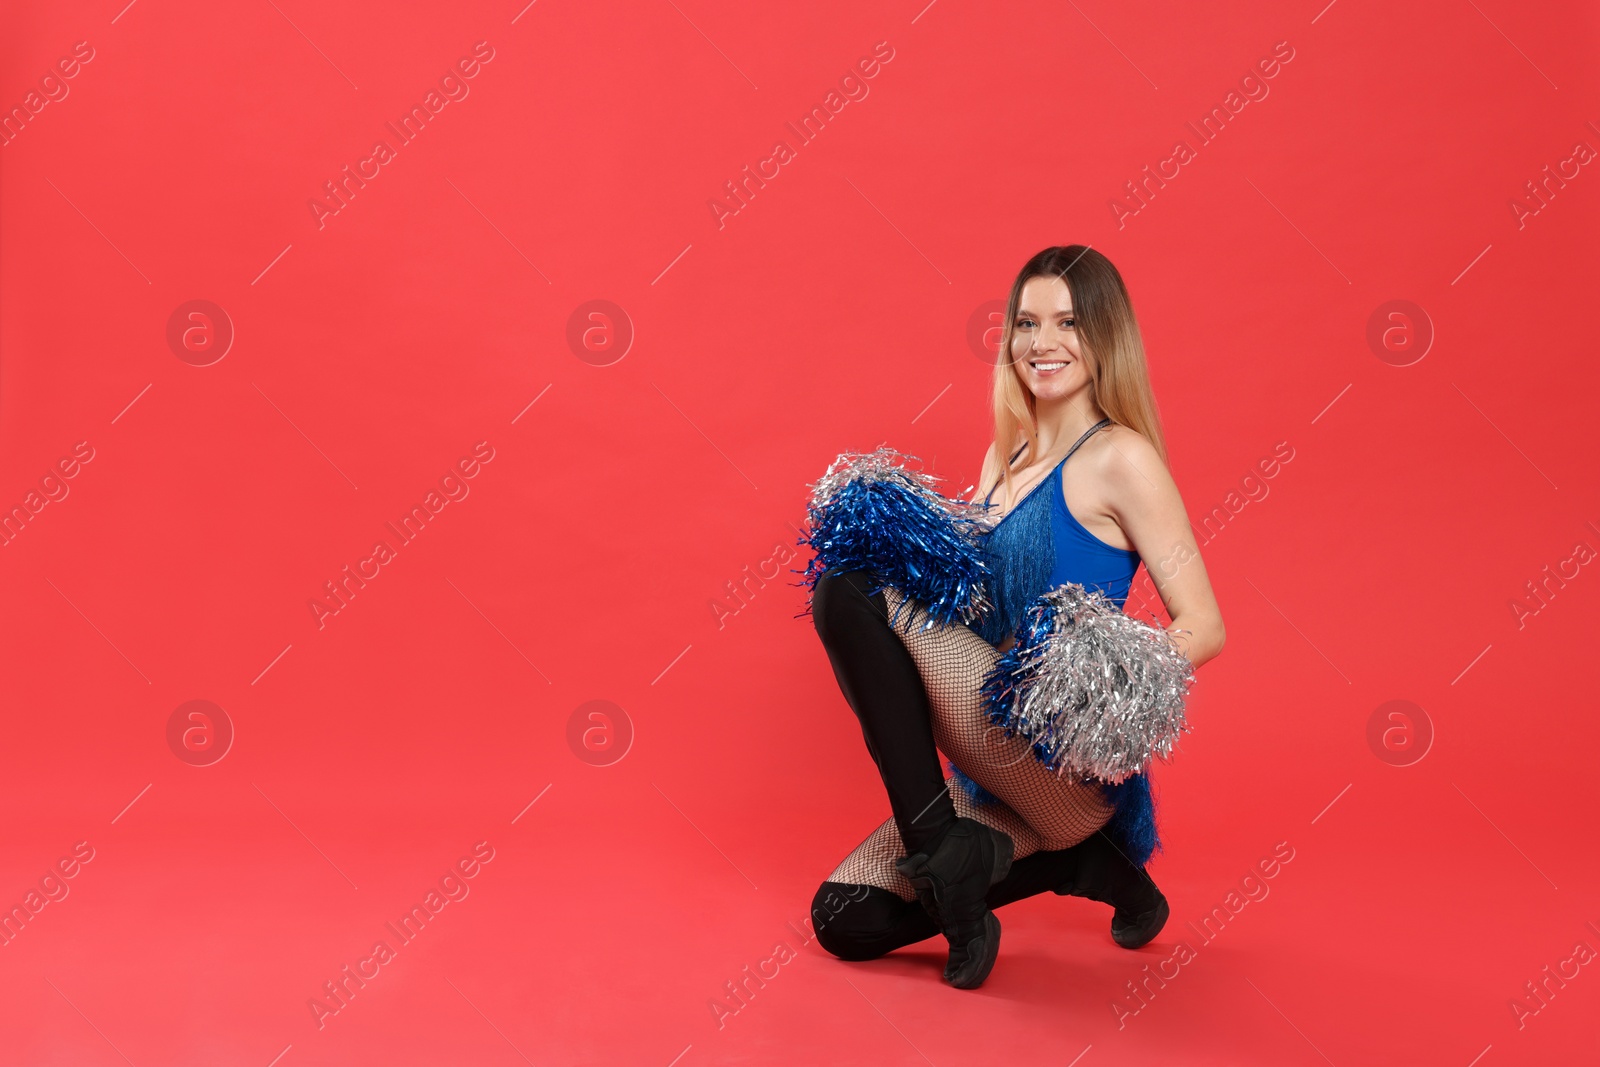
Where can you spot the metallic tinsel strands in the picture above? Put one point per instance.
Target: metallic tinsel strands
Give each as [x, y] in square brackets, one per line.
[870, 513]
[1097, 692]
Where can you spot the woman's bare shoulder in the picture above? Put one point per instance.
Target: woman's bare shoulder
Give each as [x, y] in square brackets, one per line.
[1128, 459]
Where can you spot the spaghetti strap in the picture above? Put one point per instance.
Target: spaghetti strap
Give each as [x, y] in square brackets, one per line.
[1086, 434]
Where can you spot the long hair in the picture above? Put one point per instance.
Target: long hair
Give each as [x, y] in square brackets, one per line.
[1108, 337]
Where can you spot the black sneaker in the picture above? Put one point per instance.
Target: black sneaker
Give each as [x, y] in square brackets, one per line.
[1105, 874]
[952, 883]
[1136, 929]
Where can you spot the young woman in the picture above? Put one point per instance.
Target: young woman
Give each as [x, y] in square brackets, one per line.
[1071, 381]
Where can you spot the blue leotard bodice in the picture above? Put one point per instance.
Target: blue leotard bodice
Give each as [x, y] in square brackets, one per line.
[1039, 545]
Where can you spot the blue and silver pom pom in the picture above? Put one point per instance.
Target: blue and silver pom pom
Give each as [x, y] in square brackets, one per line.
[870, 513]
[1098, 692]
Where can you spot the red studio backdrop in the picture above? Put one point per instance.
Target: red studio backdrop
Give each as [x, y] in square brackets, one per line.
[407, 411]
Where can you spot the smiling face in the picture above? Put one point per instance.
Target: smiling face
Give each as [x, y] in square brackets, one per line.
[1044, 342]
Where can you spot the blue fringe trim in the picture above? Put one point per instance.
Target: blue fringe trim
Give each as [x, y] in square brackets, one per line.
[1134, 826]
[904, 535]
[1020, 553]
[975, 792]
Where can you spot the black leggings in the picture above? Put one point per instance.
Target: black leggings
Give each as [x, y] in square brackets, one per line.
[881, 682]
[863, 922]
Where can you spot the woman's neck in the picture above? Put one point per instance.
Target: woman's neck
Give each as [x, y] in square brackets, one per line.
[1061, 422]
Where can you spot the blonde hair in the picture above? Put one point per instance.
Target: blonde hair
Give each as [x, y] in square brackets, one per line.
[1108, 336]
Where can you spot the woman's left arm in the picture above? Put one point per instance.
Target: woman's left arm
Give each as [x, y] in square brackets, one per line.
[1147, 505]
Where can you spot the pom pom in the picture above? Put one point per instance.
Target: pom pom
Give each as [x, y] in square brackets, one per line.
[975, 792]
[1097, 692]
[870, 513]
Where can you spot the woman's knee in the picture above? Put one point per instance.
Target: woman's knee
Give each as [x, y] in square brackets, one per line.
[856, 922]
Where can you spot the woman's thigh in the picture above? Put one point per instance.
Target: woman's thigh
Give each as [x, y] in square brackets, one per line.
[953, 661]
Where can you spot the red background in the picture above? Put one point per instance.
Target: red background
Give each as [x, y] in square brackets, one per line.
[831, 312]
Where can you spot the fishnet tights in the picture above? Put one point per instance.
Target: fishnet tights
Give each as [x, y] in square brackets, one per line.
[1039, 809]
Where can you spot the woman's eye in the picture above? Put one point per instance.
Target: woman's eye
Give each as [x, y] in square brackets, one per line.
[1069, 322]
[1023, 324]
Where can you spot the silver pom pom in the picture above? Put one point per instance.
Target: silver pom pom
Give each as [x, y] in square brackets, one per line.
[885, 464]
[1098, 692]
